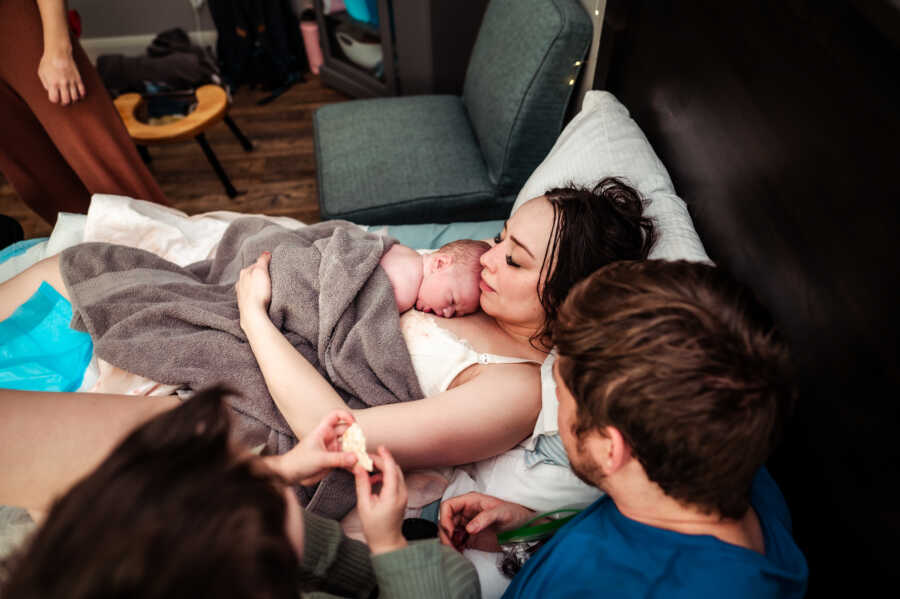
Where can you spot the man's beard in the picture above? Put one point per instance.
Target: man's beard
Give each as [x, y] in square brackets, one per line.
[584, 466]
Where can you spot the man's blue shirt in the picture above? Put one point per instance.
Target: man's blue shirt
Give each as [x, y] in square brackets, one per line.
[603, 553]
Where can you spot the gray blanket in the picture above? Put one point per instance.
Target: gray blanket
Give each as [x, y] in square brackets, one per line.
[180, 325]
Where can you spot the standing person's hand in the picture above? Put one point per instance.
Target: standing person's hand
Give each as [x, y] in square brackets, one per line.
[60, 77]
[57, 70]
[474, 519]
[316, 453]
[254, 288]
[382, 514]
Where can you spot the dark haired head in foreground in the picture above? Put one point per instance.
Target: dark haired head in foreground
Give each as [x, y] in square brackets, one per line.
[173, 511]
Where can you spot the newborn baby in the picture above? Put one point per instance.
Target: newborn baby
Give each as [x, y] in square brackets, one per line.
[444, 282]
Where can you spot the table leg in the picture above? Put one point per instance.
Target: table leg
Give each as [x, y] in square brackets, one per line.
[214, 161]
[245, 143]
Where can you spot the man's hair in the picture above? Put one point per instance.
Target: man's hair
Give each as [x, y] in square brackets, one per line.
[172, 512]
[466, 252]
[687, 366]
[591, 228]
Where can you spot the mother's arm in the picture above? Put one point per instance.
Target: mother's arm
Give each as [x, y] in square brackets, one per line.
[485, 416]
[489, 413]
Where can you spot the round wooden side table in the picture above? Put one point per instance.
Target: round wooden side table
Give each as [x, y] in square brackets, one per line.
[212, 107]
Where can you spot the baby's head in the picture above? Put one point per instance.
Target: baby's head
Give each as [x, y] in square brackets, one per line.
[451, 278]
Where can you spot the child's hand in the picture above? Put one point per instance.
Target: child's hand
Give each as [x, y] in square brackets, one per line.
[473, 520]
[382, 514]
[254, 287]
[316, 453]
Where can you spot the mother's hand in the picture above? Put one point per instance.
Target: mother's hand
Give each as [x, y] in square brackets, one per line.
[254, 288]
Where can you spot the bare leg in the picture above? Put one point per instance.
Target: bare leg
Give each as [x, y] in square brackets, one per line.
[17, 290]
[51, 440]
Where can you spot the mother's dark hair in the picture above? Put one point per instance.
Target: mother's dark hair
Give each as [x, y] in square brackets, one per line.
[173, 511]
[592, 227]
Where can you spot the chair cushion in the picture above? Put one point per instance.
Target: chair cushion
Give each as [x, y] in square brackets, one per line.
[400, 160]
[519, 81]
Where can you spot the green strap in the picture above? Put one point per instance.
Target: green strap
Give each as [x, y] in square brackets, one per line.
[535, 532]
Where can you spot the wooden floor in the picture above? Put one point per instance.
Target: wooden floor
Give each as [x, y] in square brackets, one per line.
[278, 177]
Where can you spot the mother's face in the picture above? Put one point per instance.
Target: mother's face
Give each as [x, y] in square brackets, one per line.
[512, 268]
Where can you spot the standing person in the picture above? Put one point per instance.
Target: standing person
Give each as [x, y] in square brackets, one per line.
[62, 137]
[672, 394]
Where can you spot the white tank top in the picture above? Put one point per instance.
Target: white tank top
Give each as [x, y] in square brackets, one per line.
[438, 355]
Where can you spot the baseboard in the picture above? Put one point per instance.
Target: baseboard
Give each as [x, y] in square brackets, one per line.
[136, 45]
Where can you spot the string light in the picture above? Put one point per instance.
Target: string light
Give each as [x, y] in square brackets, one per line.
[597, 8]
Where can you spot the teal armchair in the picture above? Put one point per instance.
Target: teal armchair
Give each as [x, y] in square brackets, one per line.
[443, 158]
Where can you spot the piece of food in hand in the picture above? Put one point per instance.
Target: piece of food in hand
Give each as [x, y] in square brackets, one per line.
[354, 440]
[459, 538]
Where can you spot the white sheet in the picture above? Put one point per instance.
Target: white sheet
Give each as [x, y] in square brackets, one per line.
[184, 239]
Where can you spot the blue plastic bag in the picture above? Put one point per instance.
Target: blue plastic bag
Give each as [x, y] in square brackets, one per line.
[38, 349]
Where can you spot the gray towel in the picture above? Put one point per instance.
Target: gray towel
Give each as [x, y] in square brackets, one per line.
[180, 325]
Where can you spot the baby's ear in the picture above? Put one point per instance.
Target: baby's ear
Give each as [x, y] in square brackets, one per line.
[442, 260]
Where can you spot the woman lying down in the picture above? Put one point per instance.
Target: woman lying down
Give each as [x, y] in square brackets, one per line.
[699, 378]
[479, 404]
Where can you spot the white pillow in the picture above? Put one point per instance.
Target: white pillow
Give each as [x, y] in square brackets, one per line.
[604, 141]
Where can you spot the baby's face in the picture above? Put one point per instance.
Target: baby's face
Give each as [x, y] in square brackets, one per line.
[449, 292]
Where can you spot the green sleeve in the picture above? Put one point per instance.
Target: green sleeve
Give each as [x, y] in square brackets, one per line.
[334, 565]
[423, 570]
[332, 562]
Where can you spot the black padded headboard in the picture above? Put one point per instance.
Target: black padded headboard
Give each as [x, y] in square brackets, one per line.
[779, 122]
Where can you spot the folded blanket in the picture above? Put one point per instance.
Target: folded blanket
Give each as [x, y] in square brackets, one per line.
[180, 325]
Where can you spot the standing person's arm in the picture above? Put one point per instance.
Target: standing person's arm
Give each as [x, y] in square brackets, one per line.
[57, 70]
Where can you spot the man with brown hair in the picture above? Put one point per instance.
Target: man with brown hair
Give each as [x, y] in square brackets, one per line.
[673, 390]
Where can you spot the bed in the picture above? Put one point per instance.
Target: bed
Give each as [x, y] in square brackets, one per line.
[777, 124]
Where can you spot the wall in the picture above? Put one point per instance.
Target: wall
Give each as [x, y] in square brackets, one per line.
[128, 26]
[105, 18]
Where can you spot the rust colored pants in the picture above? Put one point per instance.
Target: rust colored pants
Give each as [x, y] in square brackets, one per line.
[57, 156]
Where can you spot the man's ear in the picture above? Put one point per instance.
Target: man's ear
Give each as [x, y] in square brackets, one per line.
[609, 449]
[619, 450]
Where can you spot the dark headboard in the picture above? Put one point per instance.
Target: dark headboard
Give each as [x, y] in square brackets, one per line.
[779, 122]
